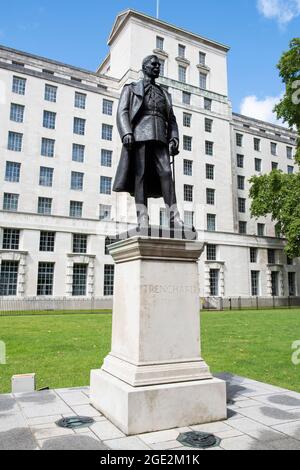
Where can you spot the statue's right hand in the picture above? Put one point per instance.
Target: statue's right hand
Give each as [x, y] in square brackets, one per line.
[128, 141]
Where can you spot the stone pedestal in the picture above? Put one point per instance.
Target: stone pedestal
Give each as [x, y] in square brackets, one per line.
[154, 378]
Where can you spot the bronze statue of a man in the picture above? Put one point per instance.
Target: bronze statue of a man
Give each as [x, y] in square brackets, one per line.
[149, 132]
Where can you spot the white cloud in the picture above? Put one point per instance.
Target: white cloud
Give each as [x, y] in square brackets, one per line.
[261, 109]
[283, 11]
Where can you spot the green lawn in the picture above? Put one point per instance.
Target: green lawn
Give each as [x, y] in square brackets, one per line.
[61, 349]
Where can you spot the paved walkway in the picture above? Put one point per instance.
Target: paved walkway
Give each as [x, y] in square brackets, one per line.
[260, 416]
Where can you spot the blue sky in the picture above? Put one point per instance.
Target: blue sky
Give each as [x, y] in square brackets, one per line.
[74, 32]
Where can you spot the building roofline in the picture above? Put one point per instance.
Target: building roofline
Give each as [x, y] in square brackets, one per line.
[133, 13]
[276, 126]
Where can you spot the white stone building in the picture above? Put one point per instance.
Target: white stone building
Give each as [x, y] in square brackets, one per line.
[60, 147]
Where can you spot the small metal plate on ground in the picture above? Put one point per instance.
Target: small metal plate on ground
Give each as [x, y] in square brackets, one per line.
[75, 422]
[200, 440]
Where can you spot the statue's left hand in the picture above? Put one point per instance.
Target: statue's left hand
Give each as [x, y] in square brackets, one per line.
[174, 147]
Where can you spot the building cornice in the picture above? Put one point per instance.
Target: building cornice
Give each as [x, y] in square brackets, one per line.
[240, 118]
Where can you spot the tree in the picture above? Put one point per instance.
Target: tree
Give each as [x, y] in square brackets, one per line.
[277, 193]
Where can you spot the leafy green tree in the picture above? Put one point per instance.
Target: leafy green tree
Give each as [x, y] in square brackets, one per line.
[277, 193]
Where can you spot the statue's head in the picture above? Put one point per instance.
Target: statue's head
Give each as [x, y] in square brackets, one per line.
[151, 66]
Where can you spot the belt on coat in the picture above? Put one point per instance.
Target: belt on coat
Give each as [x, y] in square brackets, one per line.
[155, 113]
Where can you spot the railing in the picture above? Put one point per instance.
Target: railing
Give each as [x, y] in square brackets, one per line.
[251, 303]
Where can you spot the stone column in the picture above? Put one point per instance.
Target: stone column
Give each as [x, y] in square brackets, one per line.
[154, 378]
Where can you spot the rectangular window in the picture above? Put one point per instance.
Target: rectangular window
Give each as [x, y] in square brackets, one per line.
[211, 222]
[257, 145]
[261, 230]
[163, 218]
[289, 152]
[210, 196]
[274, 283]
[239, 140]
[271, 256]
[182, 73]
[76, 209]
[12, 172]
[106, 158]
[257, 164]
[162, 67]
[253, 255]
[209, 148]
[78, 153]
[46, 176]
[47, 242]
[10, 202]
[208, 125]
[160, 43]
[181, 51]
[186, 98]
[273, 148]
[50, 93]
[107, 107]
[11, 239]
[203, 80]
[210, 172]
[188, 193]
[80, 243]
[80, 100]
[79, 280]
[202, 58]
[255, 283]
[187, 120]
[107, 132]
[187, 167]
[214, 275]
[77, 181]
[187, 143]
[242, 227]
[241, 182]
[47, 149]
[15, 141]
[274, 166]
[49, 120]
[189, 218]
[44, 206]
[17, 112]
[79, 126]
[242, 205]
[211, 253]
[240, 161]
[108, 242]
[19, 85]
[45, 279]
[207, 104]
[105, 212]
[105, 185]
[9, 278]
[290, 170]
[292, 284]
[109, 275]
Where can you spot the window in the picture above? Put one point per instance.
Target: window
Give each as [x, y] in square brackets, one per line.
[50, 93]
[47, 149]
[76, 209]
[208, 125]
[189, 218]
[187, 167]
[274, 283]
[10, 202]
[187, 143]
[257, 145]
[109, 274]
[80, 243]
[108, 242]
[273, 148]
[290, 170]
[289, 261]
[211, 222]
[186, 98]
[163, 218]
[271, 256]
[289, 152]
[207, 104]
[45, 279]
[160, 43]
[15, 141]
[162, 67]
[17, 112]
[49, 119]
[105, 212]
[79, 126]
[182, 73]
[257, 164]
[9, 278]
[209, 148]
[202, 58]
[107, 107]
[240, 161]
[78, 153]
[187, 119]
[211, 253]
[253, 255]
[292, 284]
[107, 132]
[242, 227]
[261, 230]
[242, 205]
[79, 279]
[46, 176]
[210, 196]
[106, 158]
[210, 172]
[47, 241]
[12, 172]
[274, 166]
[80, 100]
[255, 283]
[203, 81]
[214, 282]
[11, 239]
[19, 85]
[44, 206]
[105, 185]
[241, 182]
[77, 181]
[188, 193]
[181, 51]
[239, 140]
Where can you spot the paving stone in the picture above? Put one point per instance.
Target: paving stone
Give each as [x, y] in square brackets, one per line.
[41, 404]
[75, 398]
[287, 401]
[247, 403]
[166, 445]
[212, 427]
[126, 443]
[86, 410]
[270, 416]
[106, 430]
[75, 442]
[285, 444]
[8, 404]
[228, 434]
[290, 429]
[243, 443]
[163, 436]
[245, 425]
[257, 430]
[48, 433]
[17, 439]
[43, 420]
[12, 421]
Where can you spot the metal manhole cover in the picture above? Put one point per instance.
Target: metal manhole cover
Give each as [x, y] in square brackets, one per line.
[200, 440]
[75, 422]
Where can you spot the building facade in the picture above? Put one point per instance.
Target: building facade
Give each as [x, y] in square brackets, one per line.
[59, 152]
